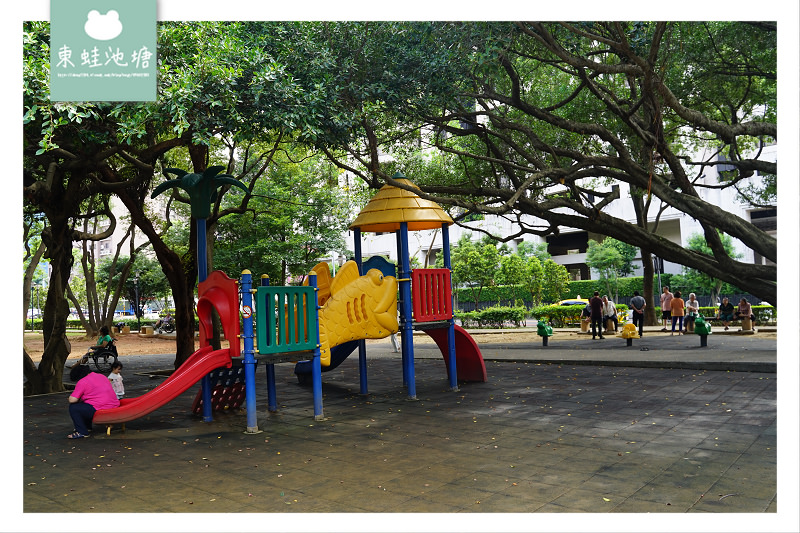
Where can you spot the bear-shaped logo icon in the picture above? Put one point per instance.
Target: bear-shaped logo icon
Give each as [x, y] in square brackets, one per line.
[103, 27]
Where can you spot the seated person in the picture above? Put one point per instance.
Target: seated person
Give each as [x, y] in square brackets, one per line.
[102, 341]
[610, 312]
[745, 310]
[91, 393]
[725, 313]
[162, 321]
[586, 314]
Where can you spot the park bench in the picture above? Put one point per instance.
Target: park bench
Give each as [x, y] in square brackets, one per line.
[745, 324]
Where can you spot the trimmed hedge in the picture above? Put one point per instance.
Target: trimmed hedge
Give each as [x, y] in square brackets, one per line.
[510, 293]
[76, 324]
[499, 316]
[492, 317]
[626, 286]
[561, 316]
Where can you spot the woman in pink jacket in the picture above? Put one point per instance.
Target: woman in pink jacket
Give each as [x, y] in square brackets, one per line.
[92, 392]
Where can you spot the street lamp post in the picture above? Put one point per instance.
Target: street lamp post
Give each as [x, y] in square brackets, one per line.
[136, 310]
[31, 307]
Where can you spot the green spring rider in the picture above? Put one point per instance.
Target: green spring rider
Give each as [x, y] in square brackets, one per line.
[702, 328]
[544, 330]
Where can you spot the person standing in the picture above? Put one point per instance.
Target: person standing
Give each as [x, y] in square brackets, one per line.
[395, 343]
[677, 306]
[638, 304]
[115, 378]
[692, 310]
[666, 314]
[596, 305]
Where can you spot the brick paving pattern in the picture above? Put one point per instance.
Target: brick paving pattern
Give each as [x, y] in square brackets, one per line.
[538, 437]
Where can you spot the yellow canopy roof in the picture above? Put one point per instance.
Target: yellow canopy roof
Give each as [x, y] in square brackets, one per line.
[392, 205]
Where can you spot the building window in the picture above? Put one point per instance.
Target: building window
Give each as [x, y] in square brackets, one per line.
[765, 219]
[103, 248]
[563, 243]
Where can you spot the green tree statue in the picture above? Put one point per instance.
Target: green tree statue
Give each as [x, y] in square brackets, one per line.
[202, 191]
[201, 188]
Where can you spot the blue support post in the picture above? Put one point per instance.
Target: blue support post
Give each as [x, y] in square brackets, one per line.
[362, 344]
[272, 397]
[249, 352]
[316, 364]
[408, 327]
[400, 307]
[202, 274]
[451, 328]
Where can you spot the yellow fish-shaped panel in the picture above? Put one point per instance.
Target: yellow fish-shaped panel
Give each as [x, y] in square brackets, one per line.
[323, 272]
[348, 273]
[360, 307]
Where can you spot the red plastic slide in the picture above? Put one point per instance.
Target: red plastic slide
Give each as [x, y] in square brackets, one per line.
[199, 364]
[469, 361]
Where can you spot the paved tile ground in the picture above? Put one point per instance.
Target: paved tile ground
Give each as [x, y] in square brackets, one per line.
[538, 437]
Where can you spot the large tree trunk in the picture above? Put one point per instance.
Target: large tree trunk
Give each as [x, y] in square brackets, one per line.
[650, 313]
[47, 377]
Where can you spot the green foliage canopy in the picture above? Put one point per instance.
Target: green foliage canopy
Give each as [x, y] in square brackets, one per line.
[543, 118]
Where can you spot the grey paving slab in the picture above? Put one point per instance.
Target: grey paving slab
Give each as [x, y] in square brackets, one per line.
[543, 435]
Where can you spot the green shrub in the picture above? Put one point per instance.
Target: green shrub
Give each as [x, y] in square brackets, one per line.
[492, 317]
[74, 323]
[469, 319]
[559, 316]
[562, 316]
[625, 286]
[765, 314]
[584, 288]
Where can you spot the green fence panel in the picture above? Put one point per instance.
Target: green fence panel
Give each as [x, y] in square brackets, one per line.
[286, 319]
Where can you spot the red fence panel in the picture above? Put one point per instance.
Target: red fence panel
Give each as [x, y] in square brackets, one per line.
[431, 294]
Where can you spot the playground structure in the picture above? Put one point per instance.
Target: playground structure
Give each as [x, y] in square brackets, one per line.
[430, 308]
[426, 302]
[322, 323]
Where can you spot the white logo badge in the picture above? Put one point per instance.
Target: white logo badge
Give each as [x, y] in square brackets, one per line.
[103, 27]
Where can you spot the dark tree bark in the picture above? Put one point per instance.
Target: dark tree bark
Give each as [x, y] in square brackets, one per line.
[58, 202]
